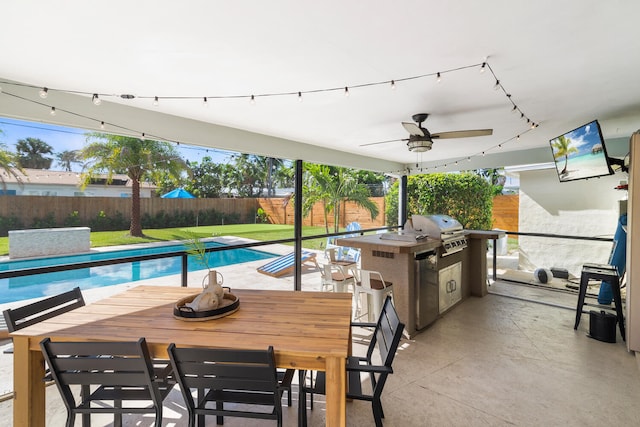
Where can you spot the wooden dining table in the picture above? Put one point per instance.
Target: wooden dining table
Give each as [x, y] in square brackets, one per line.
[308, 330]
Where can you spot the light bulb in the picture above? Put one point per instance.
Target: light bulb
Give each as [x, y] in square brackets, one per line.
[253, 100]
[518, 138]
[497, 85]
[514, 109]
[393, 85]
[44, 92]
[438, 77]
[53, 111]
[102, 125]
[143, 137]
[484, 64]
[205, 103]
[299, 96]
[346, 91]
[96, 99]
[156, 101]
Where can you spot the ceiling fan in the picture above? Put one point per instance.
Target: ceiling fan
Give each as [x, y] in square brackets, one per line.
[420, 139]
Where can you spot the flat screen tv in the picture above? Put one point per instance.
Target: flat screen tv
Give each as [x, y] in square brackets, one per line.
[581, 153]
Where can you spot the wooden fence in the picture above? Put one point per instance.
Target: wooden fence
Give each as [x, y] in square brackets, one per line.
[505, 212]
[279, 210]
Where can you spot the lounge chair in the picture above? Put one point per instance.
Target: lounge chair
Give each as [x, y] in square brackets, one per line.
[285, 264]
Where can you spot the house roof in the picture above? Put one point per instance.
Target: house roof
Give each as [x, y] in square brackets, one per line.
[557, 64]
[51, 177]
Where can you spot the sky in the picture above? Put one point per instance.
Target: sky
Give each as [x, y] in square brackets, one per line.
[64, 138]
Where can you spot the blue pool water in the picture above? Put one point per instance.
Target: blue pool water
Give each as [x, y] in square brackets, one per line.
[41, 285]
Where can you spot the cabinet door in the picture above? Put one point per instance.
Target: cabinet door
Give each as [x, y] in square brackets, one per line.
[450, 289]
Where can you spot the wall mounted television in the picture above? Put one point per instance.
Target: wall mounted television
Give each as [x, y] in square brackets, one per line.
[581, 153]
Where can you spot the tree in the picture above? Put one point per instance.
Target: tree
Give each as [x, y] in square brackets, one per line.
[139, 159]
[209, 179]
[67, 157]
[31, 151]
[9, 164]
[562, 148]
[332, 186]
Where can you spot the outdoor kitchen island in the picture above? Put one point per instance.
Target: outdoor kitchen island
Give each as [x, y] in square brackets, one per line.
[427, 282]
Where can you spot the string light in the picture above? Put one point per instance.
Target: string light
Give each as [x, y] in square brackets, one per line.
[43, 92]
[205, 102]
[156, 101]
[143, 137]
[96, 99]
[253, 100]
[438, 77]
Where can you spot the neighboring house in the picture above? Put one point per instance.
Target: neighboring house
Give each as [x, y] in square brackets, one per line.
[43, 182]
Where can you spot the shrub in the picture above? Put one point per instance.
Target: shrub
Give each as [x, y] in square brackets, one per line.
[466, 197]
[9, 223]
[73, 220]
[49, 221]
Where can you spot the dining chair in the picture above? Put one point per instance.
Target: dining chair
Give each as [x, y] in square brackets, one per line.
[106, 372]
[30, 314]
[335, 278]
[375, 287]
[385, 339]
[285, 378]
[228, 383]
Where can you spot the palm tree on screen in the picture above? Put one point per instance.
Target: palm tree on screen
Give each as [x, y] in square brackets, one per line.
[139, 159]
[562, 148]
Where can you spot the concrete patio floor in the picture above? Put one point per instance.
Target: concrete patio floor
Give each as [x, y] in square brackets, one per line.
[501, 360]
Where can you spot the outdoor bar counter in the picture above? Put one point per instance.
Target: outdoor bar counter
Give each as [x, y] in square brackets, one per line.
[396, 260]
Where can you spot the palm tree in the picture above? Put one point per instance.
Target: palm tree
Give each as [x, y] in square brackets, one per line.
[9, 165]
[31, 153]
[67, 157]
[139, 159]
[562, 147]
[332, 186]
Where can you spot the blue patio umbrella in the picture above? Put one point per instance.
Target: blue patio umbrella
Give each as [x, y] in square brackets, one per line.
[178, 193]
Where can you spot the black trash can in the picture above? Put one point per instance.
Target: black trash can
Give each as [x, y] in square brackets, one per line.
[602, 326]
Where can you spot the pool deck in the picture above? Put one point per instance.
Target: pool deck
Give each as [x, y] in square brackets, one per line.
[235, 276]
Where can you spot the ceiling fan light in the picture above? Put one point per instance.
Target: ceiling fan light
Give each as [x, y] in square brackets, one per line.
[419, 145]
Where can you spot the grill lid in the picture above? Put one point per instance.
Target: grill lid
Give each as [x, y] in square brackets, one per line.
[435, 225]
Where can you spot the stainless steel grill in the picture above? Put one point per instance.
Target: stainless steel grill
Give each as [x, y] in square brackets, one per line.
[442, 227]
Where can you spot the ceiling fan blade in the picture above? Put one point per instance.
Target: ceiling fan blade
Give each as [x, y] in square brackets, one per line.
[382, 142]
[462, 133]
[413, 128]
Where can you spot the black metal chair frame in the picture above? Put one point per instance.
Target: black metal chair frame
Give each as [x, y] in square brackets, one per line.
[30, 314]
[107, 372]
[386, 338]
[227, 376]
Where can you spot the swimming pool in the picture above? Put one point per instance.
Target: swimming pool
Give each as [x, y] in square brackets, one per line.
[41, 285]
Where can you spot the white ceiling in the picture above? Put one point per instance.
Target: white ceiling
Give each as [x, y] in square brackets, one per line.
[564, 63]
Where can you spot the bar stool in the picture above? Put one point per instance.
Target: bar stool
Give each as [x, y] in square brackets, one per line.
[600, 272]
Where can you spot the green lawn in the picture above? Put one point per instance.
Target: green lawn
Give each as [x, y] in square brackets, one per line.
[260, 232]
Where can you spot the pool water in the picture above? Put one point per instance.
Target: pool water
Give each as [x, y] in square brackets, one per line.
[42, 285]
